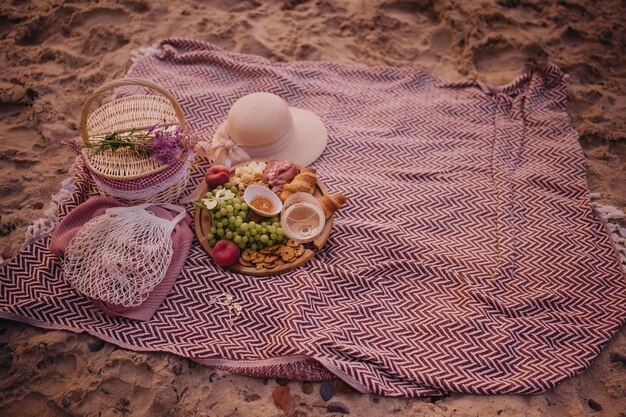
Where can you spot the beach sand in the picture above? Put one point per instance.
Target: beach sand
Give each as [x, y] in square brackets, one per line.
[53, 54]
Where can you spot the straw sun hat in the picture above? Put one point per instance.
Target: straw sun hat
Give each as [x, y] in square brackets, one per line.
[262, 126]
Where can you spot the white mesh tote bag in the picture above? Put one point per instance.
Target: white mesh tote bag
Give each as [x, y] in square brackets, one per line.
[121, 256]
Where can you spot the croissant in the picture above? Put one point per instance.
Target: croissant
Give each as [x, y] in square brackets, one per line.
[304, 182]
[331, 203]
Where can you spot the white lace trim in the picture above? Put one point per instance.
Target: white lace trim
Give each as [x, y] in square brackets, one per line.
[148, 192]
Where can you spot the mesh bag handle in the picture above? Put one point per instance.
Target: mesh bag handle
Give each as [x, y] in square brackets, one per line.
[84, 115]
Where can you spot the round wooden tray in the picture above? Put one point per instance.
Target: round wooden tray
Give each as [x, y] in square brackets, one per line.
[202, 224]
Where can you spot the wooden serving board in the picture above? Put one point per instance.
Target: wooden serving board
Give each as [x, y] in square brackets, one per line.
[202, 224]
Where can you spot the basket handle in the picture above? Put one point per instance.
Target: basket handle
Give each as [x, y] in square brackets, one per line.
[122, 82]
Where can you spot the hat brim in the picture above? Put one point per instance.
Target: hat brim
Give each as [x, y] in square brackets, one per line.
[308, 141]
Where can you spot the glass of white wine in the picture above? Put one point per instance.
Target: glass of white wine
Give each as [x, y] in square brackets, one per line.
[302, 217]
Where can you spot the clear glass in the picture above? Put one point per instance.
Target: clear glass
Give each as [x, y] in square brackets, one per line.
[302, 217]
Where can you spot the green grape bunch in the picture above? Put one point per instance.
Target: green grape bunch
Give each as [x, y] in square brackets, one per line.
[230, 220]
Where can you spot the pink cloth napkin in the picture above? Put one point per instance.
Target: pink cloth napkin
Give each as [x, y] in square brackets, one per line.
[181, 243]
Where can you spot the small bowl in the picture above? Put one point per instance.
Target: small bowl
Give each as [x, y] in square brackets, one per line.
[253, 191]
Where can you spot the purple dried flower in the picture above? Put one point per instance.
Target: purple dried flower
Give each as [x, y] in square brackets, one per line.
[166, 146]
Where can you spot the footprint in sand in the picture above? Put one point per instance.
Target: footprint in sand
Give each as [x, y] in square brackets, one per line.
[105, 393]
[572, 37]
[441, 40]
[408, 10]
[503, 60]
[6, 25]
[137, 6]
[42, 28]
[99, 16]
[236, 6]
[135, 373]
[496, 54]
[102, 40]
[583, 73]
[125, 387]
[15, 158]
[34, 404]
[101, 24]
[308, 52]
[257, 47]
[11, 109]
[65, 364]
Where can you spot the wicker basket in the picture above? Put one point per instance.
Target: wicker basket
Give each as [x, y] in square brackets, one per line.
[123, 174]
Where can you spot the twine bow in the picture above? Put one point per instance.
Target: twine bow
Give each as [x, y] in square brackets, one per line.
[222, 149]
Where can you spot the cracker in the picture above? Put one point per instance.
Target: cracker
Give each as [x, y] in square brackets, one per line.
[243, 262]
[270, 258]
[270, 249]
[299, 250]
[287, 253]
[248, 255]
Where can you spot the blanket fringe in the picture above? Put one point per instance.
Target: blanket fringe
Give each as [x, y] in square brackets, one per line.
[139, 54]
[611, 216]
[50, 220]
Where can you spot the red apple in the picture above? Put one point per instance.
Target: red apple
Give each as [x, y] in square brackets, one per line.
[225, 253]
[217, 175]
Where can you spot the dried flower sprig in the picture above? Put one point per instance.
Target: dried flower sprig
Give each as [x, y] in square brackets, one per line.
[235, 310]
[165, 143]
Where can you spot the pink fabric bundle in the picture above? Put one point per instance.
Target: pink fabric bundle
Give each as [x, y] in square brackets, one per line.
[181, 242]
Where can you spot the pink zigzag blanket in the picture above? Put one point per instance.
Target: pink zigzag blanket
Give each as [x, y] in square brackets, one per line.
[469, 258]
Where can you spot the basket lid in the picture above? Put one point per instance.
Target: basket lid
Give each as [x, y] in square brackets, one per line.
[124, 115]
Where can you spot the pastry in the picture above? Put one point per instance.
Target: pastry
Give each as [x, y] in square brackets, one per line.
[331, 203]
[304, 182]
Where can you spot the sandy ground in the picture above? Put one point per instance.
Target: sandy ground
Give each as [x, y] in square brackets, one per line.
[53, 53]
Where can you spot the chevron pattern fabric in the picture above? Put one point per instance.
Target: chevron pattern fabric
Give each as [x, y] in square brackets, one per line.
[469, 258]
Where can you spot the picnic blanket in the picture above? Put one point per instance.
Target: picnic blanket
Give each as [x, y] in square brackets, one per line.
[469, 258]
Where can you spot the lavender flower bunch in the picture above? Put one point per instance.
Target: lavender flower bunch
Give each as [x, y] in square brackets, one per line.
[164, 143]
[167, 146]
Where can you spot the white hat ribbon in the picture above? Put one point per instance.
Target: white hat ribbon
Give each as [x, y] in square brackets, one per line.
[224, 151]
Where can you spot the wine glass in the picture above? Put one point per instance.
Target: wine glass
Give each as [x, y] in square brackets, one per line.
[302, 217]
